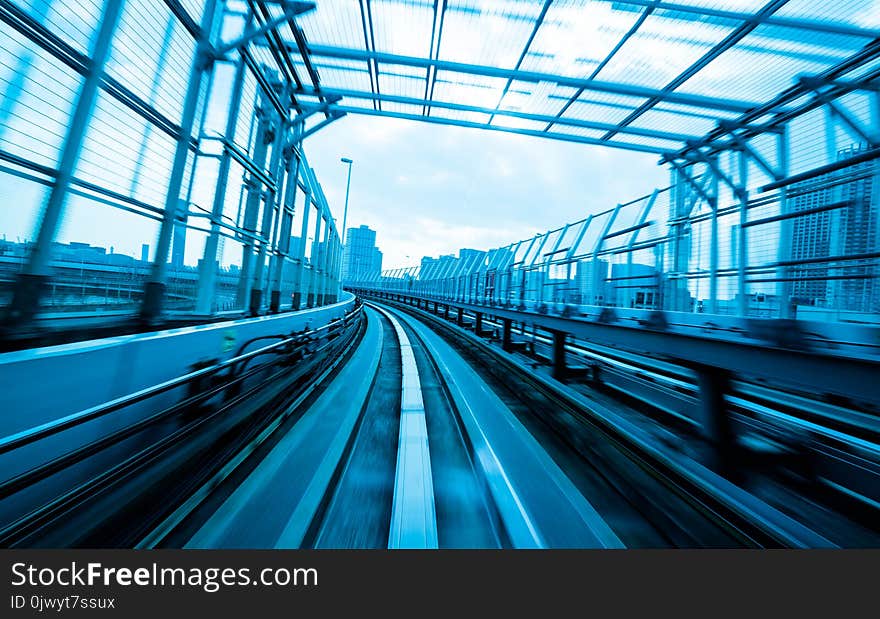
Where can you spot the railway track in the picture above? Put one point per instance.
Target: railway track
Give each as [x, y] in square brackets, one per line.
[821, 480]
[425, 439]
[398, 429]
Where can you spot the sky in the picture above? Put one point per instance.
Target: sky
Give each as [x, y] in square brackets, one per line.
[429, 190]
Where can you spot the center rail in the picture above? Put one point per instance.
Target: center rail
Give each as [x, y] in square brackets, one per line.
[413, 520]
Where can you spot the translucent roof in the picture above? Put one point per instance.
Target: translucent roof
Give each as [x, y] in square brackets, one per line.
[647, 75]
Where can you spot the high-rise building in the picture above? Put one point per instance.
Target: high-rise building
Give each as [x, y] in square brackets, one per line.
[590, 281]
[361, 257]
[849, 226]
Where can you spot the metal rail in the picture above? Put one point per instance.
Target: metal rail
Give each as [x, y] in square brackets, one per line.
[413, 520]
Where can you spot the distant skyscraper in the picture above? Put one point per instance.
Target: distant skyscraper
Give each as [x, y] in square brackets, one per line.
[361, 257]
[853, 228]
[178, 246]
[145, 253]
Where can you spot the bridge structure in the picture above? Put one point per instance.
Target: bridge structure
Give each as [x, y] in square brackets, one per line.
[695, 367]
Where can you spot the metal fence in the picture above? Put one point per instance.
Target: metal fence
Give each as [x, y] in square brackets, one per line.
[145, 163]
[807, 250]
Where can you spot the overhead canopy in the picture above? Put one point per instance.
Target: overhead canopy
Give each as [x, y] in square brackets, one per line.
[646, 75]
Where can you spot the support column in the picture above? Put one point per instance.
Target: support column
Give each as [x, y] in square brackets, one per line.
[478, 323]
[208, 267]
[742, 264]
[714, 415]
[201, 65]
[559, 368]
[713, 246]
[459, 320]
[784, 291]
[32, 282]
[284, 248]
[313, 278]
[270, 206]
[299, 284]
[506, 335]
[252, 205]
[324, 263]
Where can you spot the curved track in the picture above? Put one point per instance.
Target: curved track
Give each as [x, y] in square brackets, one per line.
[392, 428]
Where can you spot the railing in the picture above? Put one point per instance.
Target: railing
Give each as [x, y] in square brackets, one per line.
[136, 177]
[811, 251]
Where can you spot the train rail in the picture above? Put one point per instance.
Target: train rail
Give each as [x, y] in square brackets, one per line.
[395, 428]
[801, 460]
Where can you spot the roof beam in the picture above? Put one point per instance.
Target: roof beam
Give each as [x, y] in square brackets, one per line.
[340, 109]
[867, 54]
[727, 43]
[336, 93]
[699, 101]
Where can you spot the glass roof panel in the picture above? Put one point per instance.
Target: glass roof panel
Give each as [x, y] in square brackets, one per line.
[513, 54]
[518, 123]
[470, 89]
[576, 37]
[675, 122]
[491, 33]
[402, 27]
[334, 23]
[661, 49]
[865, 13]
[580, 131]
[545, 98]
[587, 109]
[768, 60]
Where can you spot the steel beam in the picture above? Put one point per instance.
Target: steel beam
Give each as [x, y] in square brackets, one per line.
[727, 43]
[473, 125]
[462, 107]
[699, 101]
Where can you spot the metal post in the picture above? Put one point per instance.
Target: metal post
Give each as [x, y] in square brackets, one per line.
[263, 138]
[347, 187]
[208, 267]
[269, 207]
[33, 279]
[202, 64]
[784, 291]
[283, 249]
[713, 245]
[323, 260]
[313, 277]
[742, 241]
[301, 250]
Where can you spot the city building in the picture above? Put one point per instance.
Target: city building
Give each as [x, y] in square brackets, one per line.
[843, 220]
[361, 258]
